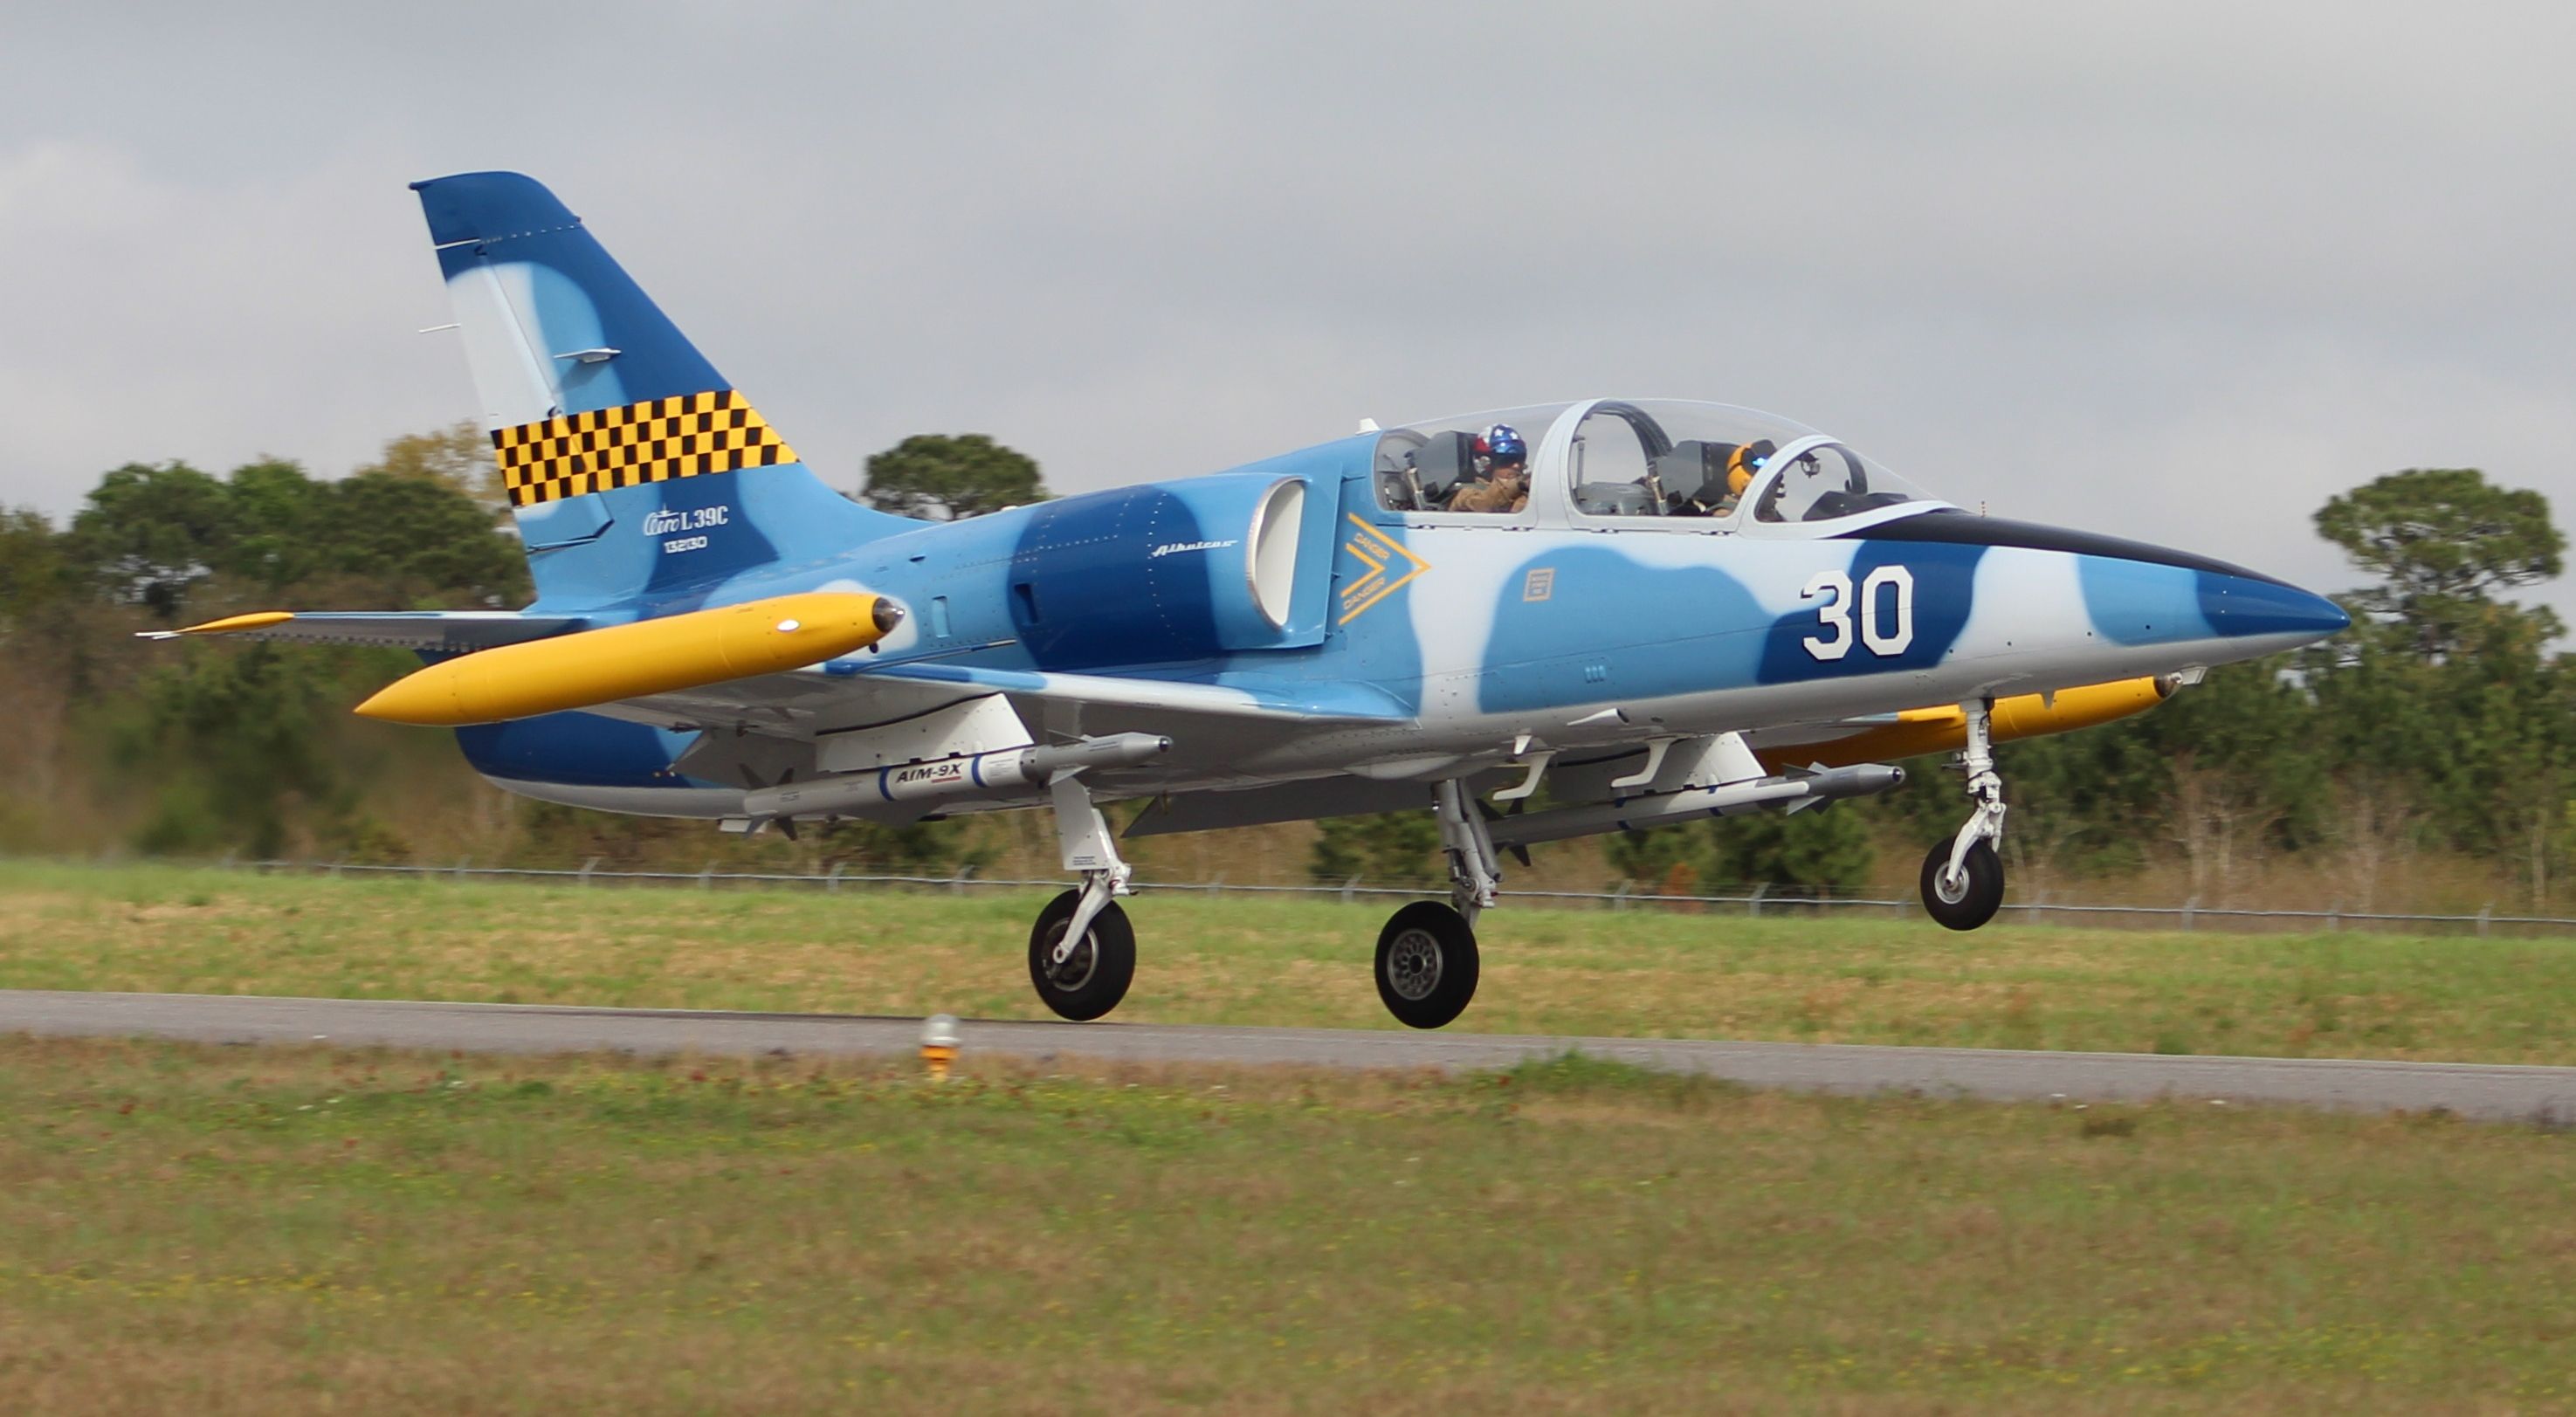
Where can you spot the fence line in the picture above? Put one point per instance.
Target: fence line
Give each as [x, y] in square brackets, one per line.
[2189, 914]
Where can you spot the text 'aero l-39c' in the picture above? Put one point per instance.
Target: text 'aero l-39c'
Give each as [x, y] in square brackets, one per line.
[1660, 611]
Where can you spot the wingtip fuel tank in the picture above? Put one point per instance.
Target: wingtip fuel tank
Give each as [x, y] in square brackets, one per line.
[658, 656]
[1943, 728]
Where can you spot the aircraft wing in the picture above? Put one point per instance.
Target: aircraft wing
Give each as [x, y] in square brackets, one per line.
[452, 631]
[1231, 696]
[809, 702]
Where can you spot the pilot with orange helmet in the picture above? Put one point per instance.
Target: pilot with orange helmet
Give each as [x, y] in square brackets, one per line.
[1740, 467]
[1712, 500]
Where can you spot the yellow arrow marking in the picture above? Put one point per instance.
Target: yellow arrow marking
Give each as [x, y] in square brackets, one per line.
[1374, 587]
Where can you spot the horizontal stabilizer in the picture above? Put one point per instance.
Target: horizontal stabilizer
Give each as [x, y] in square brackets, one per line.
[437, 631]
[839, 696]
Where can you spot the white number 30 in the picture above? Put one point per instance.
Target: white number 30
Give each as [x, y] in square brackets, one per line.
[1888, 634]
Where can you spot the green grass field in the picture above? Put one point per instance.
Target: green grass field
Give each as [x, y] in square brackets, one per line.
[207, 1229]
[187, 1229]
[1264, 960]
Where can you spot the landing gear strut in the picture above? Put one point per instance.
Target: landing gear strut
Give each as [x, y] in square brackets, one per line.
[1082, 952]
[1963, 879]
[1426, 956]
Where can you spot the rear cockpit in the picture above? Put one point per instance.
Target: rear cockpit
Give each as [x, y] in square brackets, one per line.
[1686, 466]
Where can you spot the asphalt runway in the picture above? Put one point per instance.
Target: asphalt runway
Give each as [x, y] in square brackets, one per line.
[2493, 1092]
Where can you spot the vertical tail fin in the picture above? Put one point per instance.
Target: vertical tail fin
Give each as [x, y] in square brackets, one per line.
[633, 467]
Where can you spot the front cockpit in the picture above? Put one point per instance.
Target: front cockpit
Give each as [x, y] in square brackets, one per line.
[1426, 467]
[1689, 466]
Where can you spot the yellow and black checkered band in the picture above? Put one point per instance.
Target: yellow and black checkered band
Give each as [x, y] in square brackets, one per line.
[652, 441]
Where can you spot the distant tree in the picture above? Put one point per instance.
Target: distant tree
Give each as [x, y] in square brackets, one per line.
[2444, 713]
[1829, 848]
[1811, 848]
[945, 847]
[152, 535]
[945, 477]
[1387, 846]
[2443, 542]
[277, 532]
[2245, 772]
[421, 542]
[149, 534]
[33, 571]
[230, 746]
[457, 457]
[1652, 860]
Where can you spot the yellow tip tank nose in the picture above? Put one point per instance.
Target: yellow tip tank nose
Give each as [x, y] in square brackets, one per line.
[661, 656]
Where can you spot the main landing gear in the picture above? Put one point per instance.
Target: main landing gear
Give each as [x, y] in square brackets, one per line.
[1426, 955]
[1087, 978]
[1082, 952]
[1963, 879]
[1426, 964]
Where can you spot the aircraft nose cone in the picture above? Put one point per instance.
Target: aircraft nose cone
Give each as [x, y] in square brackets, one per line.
[2239, 607]
[2229, 612]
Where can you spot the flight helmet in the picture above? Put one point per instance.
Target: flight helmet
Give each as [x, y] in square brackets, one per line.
[1746, 461]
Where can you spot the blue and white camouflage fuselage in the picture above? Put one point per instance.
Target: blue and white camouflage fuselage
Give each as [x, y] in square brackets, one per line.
[1307, 619]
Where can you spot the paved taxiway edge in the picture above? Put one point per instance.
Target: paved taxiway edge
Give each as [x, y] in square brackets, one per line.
[2493, 1092]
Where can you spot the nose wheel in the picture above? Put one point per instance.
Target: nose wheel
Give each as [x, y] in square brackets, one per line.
[1963, 878]
[1968, 898]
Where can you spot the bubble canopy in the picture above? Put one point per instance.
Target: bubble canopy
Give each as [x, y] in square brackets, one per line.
[1703, 466]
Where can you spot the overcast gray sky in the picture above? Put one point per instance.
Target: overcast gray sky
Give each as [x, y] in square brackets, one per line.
[2174, 270]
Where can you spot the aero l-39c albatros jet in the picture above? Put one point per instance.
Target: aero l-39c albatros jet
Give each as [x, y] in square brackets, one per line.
[1658, 610]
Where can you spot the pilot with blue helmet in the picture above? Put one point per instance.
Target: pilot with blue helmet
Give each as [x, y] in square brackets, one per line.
[1502, 474]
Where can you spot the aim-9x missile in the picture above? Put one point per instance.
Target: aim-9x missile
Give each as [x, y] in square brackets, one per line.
[1725, 799]
[964, 775]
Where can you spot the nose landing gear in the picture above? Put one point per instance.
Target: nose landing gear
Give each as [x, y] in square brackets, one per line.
[1963, 878]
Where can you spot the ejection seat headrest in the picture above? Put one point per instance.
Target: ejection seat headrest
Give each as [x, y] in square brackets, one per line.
[1444, 461]
[1695, 472]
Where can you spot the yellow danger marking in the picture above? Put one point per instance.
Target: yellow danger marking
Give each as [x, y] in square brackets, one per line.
[1374, 549]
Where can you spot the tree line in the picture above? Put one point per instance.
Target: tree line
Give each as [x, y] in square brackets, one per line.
[206, 748]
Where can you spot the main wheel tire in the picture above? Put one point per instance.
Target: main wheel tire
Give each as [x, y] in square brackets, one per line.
[1095, 976]
[1971, 901]
[1426, 964]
